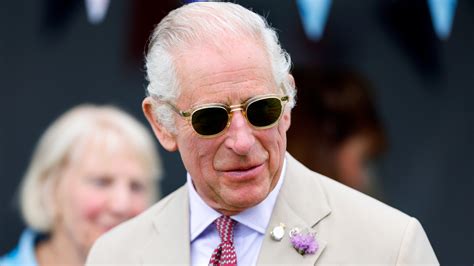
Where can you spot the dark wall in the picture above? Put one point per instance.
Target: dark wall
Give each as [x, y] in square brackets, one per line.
[423, 89]
[52, 58]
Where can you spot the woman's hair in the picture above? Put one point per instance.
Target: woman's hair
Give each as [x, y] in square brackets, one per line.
[64, 139]
[207, 22]
[333, 106]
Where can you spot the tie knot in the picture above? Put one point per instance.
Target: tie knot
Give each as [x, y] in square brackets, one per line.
[225, 227]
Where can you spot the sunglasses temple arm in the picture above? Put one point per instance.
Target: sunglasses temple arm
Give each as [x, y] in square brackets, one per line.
[179, 112]
[174, 108]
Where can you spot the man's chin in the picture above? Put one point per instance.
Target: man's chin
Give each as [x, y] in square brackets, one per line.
[241, 203]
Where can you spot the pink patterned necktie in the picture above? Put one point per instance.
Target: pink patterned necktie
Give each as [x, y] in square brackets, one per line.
[224, 254]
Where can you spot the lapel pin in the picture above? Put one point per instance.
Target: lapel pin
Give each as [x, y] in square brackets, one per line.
[294, 231]
[278, 232]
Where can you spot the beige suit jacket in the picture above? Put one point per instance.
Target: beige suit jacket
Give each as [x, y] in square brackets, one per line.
[351, 228]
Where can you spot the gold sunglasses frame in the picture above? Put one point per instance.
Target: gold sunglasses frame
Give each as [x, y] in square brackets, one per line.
[230, 109]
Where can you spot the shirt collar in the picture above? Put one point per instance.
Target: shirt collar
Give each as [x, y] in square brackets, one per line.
[256, 218]
[26, 247]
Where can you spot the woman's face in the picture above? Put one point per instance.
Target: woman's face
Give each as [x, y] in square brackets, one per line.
[101, 186]
[352, 161]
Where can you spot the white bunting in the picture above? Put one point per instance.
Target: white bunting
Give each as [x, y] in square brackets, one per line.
[96, 10]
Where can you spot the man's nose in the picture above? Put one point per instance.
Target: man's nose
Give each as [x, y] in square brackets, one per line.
[240, 134]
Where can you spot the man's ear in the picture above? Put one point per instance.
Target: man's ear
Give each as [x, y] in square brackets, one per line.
[286, 117]
[291, 79]
[166, 138]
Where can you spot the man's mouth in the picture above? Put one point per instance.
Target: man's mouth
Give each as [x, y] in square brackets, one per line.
[244, 173]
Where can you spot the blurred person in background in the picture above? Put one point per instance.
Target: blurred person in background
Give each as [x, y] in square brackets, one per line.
[93, 168]
[336, 130]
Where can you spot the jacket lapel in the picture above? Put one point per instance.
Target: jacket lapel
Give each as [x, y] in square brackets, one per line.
[301, 203]
[169, 240]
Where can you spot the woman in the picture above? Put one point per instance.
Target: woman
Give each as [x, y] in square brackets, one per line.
[336, 129]
[93, 168]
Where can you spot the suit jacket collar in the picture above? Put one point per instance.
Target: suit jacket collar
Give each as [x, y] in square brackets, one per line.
[301, 203]
[171, 232]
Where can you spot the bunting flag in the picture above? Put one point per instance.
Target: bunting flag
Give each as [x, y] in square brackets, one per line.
[442, 16]
[314, 14]
[96, 10]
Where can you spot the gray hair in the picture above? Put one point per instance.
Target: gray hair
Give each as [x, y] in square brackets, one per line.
[206, 21]
[63, 139]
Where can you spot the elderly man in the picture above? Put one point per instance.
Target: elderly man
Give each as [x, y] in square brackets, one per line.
[221, 94]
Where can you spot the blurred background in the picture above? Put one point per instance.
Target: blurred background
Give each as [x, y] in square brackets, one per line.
[57, 53]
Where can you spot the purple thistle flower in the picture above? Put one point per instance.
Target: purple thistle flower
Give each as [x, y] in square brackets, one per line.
[304, 244]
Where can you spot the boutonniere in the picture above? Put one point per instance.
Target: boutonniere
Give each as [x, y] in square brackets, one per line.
[304, 243]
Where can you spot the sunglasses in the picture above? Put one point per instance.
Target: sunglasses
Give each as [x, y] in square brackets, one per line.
[210, 120]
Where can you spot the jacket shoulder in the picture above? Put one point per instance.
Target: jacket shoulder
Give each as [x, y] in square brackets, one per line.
[365, 230]
[372, 231]
[124, 242]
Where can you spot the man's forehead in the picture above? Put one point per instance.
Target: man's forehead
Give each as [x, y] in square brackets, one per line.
[224, 51]
[206, 70]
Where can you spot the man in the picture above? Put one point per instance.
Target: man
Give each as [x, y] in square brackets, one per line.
[221, 94]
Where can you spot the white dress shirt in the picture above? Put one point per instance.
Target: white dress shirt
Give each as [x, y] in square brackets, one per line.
[249, 230]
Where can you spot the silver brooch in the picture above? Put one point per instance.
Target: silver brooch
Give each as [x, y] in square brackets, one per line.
[278, 232]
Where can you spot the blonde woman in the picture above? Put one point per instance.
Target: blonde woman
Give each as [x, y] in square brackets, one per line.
[92, 169]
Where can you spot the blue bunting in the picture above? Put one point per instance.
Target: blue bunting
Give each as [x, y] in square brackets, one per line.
[314, 15]
[442, 15]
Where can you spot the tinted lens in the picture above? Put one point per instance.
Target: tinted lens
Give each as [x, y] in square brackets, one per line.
[264, 112]
[209, 121]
